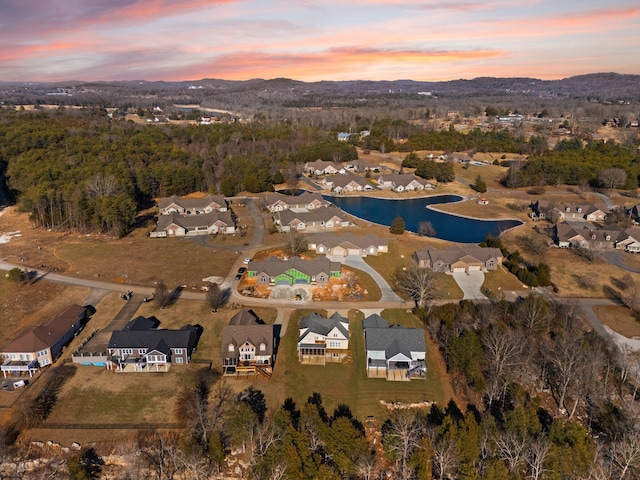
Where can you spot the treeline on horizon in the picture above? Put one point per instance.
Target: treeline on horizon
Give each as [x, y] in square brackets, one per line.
[82, 170]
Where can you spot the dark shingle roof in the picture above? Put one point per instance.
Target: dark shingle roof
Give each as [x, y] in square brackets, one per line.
[43, 336]
[394, 340]
[321, 325]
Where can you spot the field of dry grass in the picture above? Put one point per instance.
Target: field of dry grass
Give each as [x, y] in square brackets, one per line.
[619, 319]
[134, 259]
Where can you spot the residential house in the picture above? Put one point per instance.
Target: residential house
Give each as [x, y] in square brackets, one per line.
[344, 136]
[192, 206]
[461, 258]
[403, 182]
[395, 353]
[176, 225]
[323, 340]
[293, 271]
[629, 240]
[38, 346]
[568, 211]
[322, 167]
[142, 347]
[347, 183]
[248, 346]
[318, 219]
[278, 202]
[347, 244]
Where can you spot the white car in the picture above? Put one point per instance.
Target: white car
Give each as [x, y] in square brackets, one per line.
[246, 261]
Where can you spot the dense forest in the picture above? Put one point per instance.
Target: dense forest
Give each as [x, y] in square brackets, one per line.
[82, 170]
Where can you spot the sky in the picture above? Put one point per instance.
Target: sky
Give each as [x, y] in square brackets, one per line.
[312, 40]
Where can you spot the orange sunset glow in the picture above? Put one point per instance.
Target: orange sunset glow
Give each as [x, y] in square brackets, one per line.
[372, 40]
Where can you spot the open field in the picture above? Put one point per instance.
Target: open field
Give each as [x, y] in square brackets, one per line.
[619, 319]
[134, 259]
[568, 267]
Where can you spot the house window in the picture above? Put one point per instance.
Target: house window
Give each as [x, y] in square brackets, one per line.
[179, 360]
[322, 278]
[142, 351]
[263, 347]
[231, 347]
[335, 335]
[178, 351]
[127, 351]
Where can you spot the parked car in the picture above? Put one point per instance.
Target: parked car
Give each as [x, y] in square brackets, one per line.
[238, 276]
[242, 270]
[246, 261]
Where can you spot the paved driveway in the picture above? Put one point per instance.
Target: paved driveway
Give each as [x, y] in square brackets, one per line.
[358, 262]
[470, 284]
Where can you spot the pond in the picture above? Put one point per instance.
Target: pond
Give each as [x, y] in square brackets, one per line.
[414, 210]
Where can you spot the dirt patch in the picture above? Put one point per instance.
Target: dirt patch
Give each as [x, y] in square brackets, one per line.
[619, 319]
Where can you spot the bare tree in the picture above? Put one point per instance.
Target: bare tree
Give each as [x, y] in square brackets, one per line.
[401, 438]
[418, 283]
[625, 455]
[425, 229]
[503, 348]
[291, 176]
[512, 448]
[216, 297]
[583, 187]
[101, 186]
[536, 456]
[566, 359]
[532, 313]
[591, 250]
[161, 294]
[613, 178]
[445, 455]
[296, 243]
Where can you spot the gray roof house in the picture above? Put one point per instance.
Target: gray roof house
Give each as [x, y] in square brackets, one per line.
[323, 340]
[318, 219]
[293, 271]
[347, 183]
[403, 182]
[142, 347]
[461, 258]
[192, 206]
[248, 346]
[176, 225]
[322, 167]
[347, 244]
[277, 202]
[395, 353]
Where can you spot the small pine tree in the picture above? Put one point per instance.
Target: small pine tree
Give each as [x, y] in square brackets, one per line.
[397, 226]
[480, 185]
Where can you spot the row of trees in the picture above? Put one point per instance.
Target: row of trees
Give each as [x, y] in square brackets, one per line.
[602, 165]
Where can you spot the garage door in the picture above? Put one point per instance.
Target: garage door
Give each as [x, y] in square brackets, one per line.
[459, 269]
[282, 282]
[474, 267]
[354, 251]
[301, 281]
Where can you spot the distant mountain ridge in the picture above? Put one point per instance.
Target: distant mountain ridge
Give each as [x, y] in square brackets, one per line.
[595, 84]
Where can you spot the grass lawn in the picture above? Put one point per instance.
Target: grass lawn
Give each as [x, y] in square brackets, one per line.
[347, 383]
[619, 319]
[400, 253]
[500, 280]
